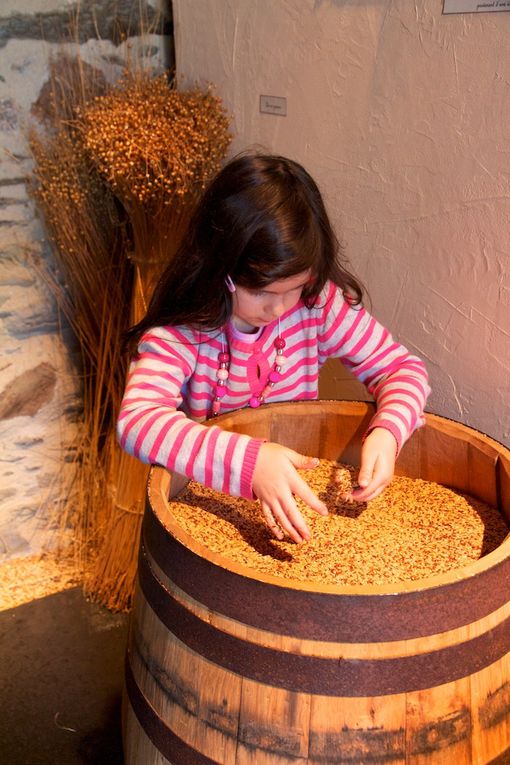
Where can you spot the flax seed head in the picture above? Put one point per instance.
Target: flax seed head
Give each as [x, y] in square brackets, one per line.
[153, 142]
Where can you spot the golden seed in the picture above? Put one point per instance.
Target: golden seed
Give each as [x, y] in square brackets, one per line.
[415, 529]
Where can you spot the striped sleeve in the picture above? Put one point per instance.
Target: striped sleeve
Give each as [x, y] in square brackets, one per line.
[397, 379]
[152, 428]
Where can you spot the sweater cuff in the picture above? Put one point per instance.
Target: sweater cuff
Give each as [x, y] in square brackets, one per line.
[248, 468]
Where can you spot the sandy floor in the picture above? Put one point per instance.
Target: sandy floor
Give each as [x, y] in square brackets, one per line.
[25, 579]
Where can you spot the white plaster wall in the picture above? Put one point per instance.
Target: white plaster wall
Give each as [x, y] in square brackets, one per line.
[401, 114]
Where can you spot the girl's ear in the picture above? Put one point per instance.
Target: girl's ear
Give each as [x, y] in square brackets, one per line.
[230, 284]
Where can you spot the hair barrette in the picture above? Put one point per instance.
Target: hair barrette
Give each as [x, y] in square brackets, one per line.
[230, 284]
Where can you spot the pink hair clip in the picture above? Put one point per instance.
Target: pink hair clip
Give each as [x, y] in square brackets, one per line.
[230, 284]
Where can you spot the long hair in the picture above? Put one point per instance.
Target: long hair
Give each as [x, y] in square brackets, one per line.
[261, 219]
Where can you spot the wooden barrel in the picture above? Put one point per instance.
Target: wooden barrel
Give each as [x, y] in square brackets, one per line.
[227, 665]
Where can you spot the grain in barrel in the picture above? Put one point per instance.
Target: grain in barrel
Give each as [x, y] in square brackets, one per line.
[413, 530]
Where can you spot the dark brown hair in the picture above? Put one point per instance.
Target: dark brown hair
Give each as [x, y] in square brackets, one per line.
[261, 219]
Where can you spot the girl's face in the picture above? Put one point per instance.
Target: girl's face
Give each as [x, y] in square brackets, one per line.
[256, 308]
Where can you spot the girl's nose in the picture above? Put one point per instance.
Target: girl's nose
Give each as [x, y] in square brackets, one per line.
[276, 309]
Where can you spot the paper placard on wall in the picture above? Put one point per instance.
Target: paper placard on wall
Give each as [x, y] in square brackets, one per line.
[475, 6]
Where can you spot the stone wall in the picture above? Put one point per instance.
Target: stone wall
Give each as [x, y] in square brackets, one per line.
[39, 382]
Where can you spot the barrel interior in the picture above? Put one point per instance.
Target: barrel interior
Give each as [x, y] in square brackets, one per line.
[443, 451]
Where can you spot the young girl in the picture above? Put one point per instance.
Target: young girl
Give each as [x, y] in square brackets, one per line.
[253, 304]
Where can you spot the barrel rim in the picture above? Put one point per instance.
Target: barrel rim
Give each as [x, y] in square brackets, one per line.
[157, 494]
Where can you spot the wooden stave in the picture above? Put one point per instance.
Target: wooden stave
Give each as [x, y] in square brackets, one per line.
[316, 674]
[410, 735]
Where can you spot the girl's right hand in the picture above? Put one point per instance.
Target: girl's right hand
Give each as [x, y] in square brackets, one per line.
[276, 481]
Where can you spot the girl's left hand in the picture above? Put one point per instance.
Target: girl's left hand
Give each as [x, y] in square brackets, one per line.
[378, 455]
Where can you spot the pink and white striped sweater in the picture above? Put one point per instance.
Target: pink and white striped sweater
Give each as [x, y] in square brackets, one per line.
[171, 382]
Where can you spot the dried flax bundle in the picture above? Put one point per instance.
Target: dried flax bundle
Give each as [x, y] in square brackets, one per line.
[117, 172]
[90, 279]
[156, 148]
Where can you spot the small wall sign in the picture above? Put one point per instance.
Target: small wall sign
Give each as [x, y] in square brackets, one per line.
[475, 6]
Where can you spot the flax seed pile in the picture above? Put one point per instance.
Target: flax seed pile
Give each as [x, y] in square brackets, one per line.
[414, 529]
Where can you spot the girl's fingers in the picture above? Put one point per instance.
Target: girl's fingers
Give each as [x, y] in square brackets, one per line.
[286, 519]
[277, 483]
[365, 494]
[378, 455]
[291, 520]
[302, 490]
[271, 521]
